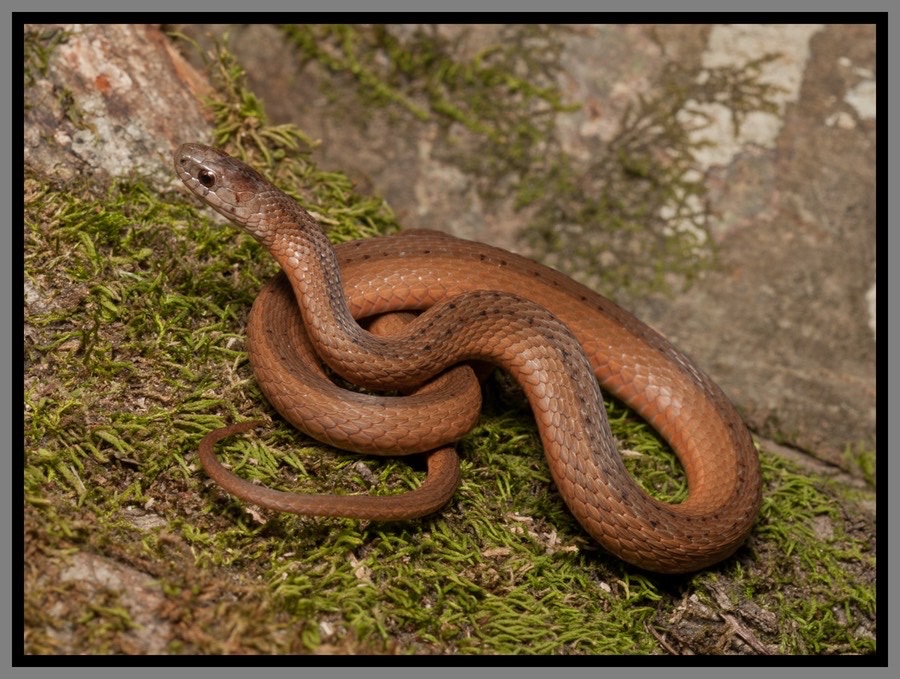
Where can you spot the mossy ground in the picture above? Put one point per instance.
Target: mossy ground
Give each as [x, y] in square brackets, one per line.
[135, 305]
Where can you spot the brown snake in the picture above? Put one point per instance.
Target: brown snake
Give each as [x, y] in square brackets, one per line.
[474, 310]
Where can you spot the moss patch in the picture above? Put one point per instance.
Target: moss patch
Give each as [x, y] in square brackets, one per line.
[633, 219]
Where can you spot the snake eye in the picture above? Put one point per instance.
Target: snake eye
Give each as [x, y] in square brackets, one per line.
[206, 178]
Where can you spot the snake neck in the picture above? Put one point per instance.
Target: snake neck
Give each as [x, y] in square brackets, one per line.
[307, 257]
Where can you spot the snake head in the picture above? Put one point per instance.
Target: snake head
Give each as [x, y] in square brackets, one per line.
[227, 185]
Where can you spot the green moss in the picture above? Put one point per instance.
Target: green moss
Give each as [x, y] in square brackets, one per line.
[815, 561]
[504, 95]
[638, 208]
[862, 460]
[39, 44]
